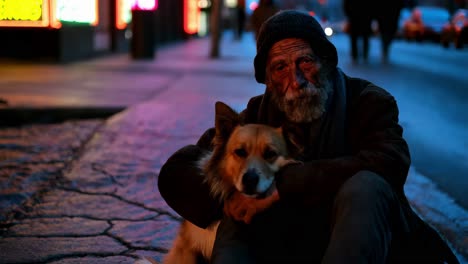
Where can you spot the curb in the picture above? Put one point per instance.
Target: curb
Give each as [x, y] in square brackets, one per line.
[13, 117]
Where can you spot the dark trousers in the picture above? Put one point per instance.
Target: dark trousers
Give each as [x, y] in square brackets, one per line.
[357, 227]
[360, 32]
[388, 26]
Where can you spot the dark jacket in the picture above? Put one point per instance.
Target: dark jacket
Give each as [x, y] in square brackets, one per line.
[367, 136]
[358, 16]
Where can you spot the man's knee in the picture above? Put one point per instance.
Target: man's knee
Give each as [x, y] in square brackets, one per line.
[363, 188]
[231, 243]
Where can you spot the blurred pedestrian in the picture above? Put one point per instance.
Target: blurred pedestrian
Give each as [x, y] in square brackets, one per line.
[359, 27]
[265, 9]
[387, 14]
[240, 19]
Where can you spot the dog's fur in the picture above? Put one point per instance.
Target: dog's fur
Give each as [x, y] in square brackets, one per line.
[244, 158]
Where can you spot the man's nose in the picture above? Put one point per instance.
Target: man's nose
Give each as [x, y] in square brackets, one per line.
[298, 79]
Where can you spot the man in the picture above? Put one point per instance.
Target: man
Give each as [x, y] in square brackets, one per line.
[359, 27]
[240, 19]
[387, 14]
[264, 10]
[345, 203]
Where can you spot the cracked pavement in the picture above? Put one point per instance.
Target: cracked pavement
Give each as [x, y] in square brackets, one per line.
[101, 207]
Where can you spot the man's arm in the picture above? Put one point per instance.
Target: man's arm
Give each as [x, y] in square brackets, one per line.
[377, 145]
[181, 184]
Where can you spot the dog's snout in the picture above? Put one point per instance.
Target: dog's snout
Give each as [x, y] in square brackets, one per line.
[250, 181]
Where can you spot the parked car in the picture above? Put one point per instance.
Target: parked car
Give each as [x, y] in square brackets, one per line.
[405, 13]
[424, 23]
[456, 31]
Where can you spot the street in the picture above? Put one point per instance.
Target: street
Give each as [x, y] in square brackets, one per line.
[102, 205]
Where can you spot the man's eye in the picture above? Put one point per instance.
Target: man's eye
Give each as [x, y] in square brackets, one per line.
[307, 61]
[240, 152]
[279, 67]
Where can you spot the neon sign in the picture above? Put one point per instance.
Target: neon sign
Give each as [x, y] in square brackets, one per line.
[230, 3]
[144, 5]
[47, 13]
[16, 10]
[79, 11]
[30, 13]
[191, 16]
[124, 13]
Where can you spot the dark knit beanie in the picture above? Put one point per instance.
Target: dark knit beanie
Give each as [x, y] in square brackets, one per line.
[292, 24]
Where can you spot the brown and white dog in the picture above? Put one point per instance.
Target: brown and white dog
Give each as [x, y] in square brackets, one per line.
[244, 158]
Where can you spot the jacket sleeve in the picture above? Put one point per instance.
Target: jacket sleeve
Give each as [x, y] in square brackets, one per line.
[181, 184]
[377, 145]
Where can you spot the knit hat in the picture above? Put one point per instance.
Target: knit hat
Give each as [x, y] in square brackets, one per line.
[292, 24]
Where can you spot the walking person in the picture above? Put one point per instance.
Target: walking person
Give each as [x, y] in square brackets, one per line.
[264, 10]
[359, 27]
[387, 14]
[240, 19]
[345, 201]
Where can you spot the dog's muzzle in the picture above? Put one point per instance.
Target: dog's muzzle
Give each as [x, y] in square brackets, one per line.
[250, 182]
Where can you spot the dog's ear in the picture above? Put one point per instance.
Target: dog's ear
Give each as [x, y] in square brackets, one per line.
[226, 119]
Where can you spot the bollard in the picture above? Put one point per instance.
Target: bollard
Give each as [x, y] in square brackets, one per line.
[143, 34]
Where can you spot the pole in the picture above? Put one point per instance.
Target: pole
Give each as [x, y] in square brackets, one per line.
[216, 28]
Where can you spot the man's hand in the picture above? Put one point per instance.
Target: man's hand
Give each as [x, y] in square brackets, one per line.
[242, 207]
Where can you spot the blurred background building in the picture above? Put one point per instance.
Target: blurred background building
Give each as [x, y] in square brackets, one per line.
[70, 30]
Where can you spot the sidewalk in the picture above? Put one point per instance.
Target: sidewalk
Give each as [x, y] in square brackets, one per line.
[90, 185]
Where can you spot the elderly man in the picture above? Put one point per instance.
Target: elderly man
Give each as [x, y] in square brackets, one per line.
[345, 202]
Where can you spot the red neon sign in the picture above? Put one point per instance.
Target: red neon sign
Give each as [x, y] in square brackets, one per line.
[191, 16]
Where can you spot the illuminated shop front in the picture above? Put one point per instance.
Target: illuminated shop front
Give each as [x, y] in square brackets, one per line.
[61, 30]
[47, 13]
[70, 30]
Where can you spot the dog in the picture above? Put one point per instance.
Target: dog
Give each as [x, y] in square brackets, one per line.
[244, 158]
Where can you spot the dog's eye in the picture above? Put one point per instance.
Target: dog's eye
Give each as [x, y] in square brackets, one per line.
[240, 152]
[269, 154]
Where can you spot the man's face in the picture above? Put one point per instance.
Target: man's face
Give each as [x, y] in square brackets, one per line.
[297, 81]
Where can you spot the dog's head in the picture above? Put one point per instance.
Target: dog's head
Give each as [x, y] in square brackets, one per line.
[245, 157]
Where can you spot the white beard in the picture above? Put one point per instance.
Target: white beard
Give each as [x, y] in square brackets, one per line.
[304, 105]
